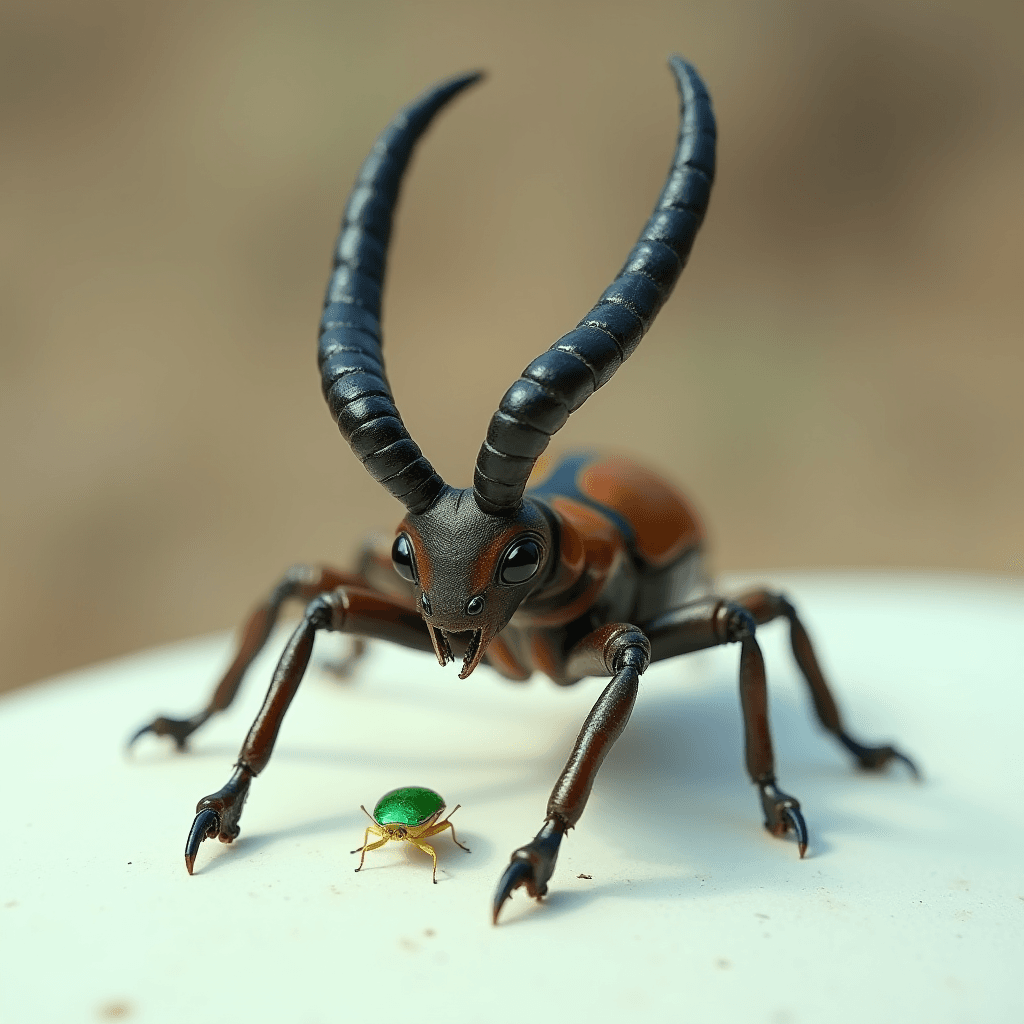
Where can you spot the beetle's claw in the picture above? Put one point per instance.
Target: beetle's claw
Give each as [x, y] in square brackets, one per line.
[782, 814]
[874, 759]
[795, 821]
[911, 767]
[179, 729]
[217, 815]
[518, 873]
[531, 865]
[206, 826]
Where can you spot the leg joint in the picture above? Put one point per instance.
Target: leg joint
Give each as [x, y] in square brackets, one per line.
[628, 646]
[328, 611]
[785, 606]
[733, 622]
[634, 655]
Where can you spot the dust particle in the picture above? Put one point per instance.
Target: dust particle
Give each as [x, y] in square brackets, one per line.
[116, 1011]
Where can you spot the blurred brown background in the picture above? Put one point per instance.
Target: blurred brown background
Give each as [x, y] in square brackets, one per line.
[837, 379]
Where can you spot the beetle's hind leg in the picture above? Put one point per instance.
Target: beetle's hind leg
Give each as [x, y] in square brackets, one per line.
[301, 581]
[766, 605]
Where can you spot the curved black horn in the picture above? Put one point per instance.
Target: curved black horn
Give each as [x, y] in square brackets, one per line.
[558, 382]
[351, 364]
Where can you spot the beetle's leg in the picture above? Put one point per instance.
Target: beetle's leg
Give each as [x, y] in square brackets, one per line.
[428, 849]
[711, 622]
[301, 581]
[217, 814]
[766, 605]
[383, 841]
[346, 609]
[375, 572]
[371, 846]
[455, 839]
[436, 830]
[366, 838]
[623, 652]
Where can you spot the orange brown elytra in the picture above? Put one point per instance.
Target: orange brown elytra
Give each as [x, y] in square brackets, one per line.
[596, 568]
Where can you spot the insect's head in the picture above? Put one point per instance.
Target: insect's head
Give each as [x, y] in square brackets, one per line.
[474, 555]
[471, 570]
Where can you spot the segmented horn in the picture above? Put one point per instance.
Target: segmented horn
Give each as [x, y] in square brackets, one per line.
[351, 364]
[558, 382]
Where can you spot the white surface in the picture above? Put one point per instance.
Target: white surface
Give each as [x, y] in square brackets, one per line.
[909, 907]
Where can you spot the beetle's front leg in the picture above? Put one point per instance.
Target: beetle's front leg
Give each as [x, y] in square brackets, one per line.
[619, 650]
[346, 609]
[217, 814]
[711, 622]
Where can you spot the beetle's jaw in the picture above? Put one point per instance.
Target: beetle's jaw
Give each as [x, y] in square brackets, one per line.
[442, 648]
[474, 642]
[474, 652]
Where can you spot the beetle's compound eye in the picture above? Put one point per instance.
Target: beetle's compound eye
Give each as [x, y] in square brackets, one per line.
[520, 562]
[403, 559]
[475, 605]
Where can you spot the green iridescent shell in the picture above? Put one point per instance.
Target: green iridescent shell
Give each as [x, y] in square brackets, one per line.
[409, 805]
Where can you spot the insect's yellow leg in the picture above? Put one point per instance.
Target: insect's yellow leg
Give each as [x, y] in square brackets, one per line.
[439, 828]
[426, 848]
[372, 846]
[366, 836]
[455, 838]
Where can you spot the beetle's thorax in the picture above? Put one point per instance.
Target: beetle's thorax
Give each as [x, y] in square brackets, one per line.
[467, 587]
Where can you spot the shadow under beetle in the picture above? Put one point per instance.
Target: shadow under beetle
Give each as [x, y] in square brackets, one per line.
[596, 570]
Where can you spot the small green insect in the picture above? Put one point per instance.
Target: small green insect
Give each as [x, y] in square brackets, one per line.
[408, 814]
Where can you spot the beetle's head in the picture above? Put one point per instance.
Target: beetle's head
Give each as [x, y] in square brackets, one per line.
[471, 570]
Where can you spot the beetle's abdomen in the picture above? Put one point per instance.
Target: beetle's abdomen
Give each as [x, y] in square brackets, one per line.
[658, 523]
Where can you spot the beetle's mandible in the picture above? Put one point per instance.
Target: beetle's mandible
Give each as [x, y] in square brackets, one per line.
[595, 570]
